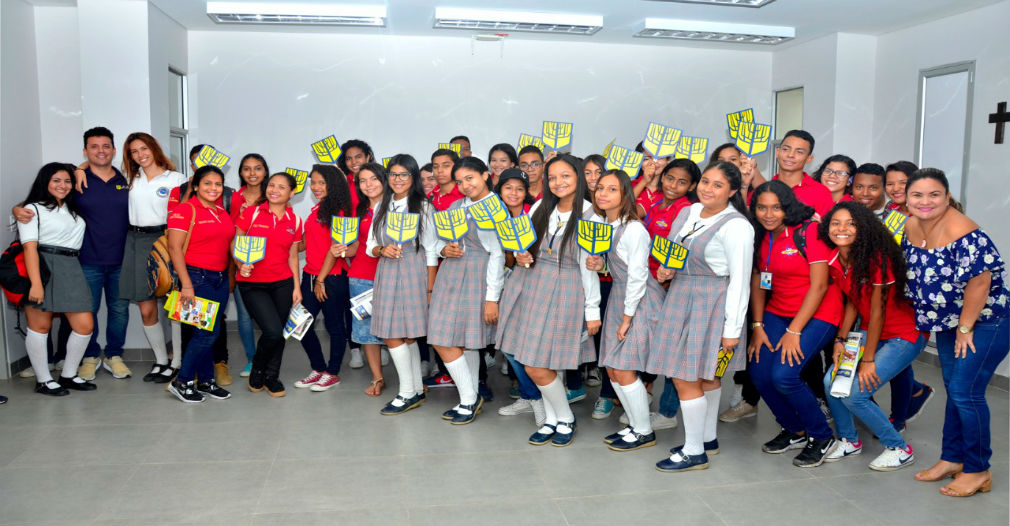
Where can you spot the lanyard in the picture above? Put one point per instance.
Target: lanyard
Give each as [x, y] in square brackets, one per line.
[771, 244]
[550, 244]
[648, 217]
[694, 229]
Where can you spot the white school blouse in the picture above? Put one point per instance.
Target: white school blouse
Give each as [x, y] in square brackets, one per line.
[590, 279]
[634, 248]
[495, 277]
[729, 253]
[149, 199]
[59, 227]
[428, 239]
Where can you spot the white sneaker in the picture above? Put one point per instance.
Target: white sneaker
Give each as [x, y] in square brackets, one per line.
[384, 356]
[505, 368]
[518, 407]
[489, 360]
[357, 360]
[539, 413]
[893, 458]
[657, 420]
[593, 377]
[27, 373]
[842, 449]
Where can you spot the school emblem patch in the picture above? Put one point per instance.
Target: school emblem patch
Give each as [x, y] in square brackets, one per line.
[163, 191]
[790, 252]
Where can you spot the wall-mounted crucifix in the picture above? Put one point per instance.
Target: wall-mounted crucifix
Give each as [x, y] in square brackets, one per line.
[1000, 118]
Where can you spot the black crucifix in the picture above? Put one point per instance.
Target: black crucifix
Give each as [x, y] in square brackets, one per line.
[1000, 118]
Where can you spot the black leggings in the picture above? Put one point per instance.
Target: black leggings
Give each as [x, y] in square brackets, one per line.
[268, 305]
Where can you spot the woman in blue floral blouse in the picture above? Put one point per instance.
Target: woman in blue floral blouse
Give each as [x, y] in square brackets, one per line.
[956, 281]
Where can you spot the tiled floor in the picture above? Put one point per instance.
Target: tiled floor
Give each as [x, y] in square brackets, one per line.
[132, 454]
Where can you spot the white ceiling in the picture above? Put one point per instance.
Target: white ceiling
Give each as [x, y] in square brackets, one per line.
[811, 18]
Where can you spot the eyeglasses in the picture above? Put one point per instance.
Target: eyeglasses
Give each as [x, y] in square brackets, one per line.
[401, 175]
[828, 172]
[534, 164]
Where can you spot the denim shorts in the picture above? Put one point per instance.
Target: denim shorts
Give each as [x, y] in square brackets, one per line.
[361, 330]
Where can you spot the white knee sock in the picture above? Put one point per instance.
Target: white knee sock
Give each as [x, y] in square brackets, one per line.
[638, 406]
[401, 361]
[624, 402]
[415, 367]
[460, 374]
[473, 364]
[176, 347]
[35, 343]
[156, 337]
[554, 395]
[76, 345]
[693, 414]
[711, 414]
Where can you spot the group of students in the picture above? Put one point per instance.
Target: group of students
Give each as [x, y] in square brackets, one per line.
[797, 260]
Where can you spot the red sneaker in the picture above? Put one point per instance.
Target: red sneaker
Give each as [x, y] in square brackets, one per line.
[442, 380]
[309, 380]
[325, 382]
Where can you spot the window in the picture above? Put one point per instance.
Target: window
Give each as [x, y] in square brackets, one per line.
[788, 116]
[178, 108]
[943, 123]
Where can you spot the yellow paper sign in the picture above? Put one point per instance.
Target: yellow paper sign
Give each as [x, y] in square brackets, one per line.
[300, 177]
[734, 119]
[693, 148]
[401, 227]
[606, 149]
[516, 234]
[454, 146]
[753, 138]
[556, 135]
[669, 254]
[385, 162]
[208, 155]
[595, 237]
[451, 225]
[661, 141]
[895, 223]
[488, 212]
[327, 150]
[526, 139]
[621, 158]
[250, 249]
[344, 230]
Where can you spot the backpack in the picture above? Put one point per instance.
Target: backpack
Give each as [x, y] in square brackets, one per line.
[800, 238]
[161, 276]
[225, 199]
[14, 272]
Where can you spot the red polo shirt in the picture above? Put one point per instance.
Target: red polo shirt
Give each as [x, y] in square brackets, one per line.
[791, 275]
[649, 197]
[281, 233]
[354, 192]
[442, 202]
[317, 244]
[363, 264]
[658, 221]
[213, 231]
[814, 194]
[238, 205]
[899, 318]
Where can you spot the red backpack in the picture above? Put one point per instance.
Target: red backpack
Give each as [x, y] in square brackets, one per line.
[14, 273]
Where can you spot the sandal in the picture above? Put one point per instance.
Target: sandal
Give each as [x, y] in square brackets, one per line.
[951, 490]
[923, 477]
[375, 387]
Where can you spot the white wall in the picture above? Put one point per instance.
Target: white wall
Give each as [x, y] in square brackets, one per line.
[59, 67]
[168, 47]
[812, 66]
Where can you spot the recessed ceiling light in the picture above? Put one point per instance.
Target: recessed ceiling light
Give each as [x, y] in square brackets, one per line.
[293, 13]
[733, 3]
[499, 20]
[714, 31]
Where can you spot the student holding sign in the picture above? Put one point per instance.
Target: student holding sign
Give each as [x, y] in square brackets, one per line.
[704, 309]
[749, 171]
[870, 270]
[271, 286]
[647, 191]
[252, 171]
[467, 287]
[634, 298]
[324, 279]
[796, 311]
[403, 237]
[543, 314]
[895, 179]
[199, 233]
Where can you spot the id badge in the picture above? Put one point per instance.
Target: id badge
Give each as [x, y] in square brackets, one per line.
[766, 280]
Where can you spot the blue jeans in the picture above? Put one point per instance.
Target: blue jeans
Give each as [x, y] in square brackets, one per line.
[337, 302]
[892, 358]
[903, 386]
[527, 389]
[791, 400]
[198, 359]
[966, 435]
[669, 402]
[361, 330]
[245, 327]
[99, 278]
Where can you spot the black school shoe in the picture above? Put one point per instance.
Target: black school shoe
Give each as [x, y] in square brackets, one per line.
[256, 378]
[639, 441]
[161, 374]
[77, 384]
[212, 390]
[274, 387]
[51, 388]
[813, 453]
[783, 442]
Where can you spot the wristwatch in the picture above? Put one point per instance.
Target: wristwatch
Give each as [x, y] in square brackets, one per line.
[964, 329]
[756, 324]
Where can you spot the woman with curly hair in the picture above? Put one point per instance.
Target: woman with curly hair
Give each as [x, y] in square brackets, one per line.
[324, 278]
[870, 270]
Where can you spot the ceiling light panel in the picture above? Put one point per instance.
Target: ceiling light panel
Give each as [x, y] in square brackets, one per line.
[294, 13]
[499, 20]
[714, 31]
[731, 3]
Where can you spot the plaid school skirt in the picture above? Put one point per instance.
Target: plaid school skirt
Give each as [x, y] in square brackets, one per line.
[457, 316]
[400, 295]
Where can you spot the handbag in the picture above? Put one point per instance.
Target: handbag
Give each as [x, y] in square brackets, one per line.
[161, 275]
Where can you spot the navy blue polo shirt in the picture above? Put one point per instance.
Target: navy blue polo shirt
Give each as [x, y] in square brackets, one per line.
[105, 207]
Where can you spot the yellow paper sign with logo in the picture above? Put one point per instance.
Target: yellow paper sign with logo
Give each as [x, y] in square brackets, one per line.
[451, 225]
[526, 139]
[327, 150]
[621, 158]
[516, 234]
[556, 135]
[250, 249]
[693, 148]
[488, 212]
[385, 162]
[454, 146]
[401, 227]
[669, 254]
[734, 119]
[209, 156]
[606, 149]
[661, 141]
[895, 223]
[300, 177]
[594, 237]
[752, 138]
[344, 230]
